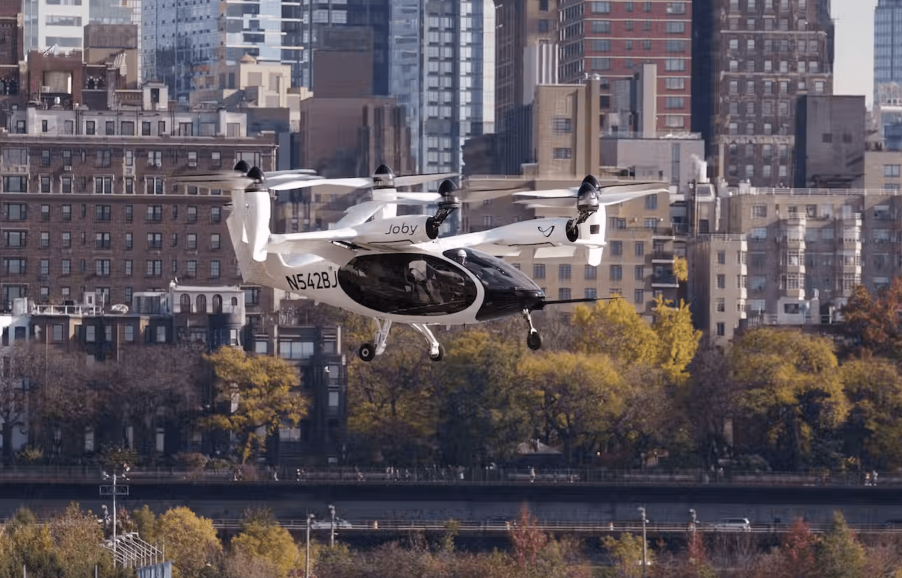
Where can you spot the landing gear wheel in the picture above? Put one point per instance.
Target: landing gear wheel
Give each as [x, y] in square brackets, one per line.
[367, 352]
[438, 356]
[534, 340]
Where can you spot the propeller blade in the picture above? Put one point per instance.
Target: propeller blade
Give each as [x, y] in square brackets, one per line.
[412, 180]
[287, 182]
[566, 203]
[550, 194]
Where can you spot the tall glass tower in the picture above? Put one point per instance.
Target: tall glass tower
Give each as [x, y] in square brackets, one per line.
[887, 45]
[443, 71]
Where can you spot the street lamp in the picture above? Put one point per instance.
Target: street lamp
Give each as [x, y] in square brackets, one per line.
[644, 543]
[113, 490]
[694, 522]
[332, 527]
[307, 556]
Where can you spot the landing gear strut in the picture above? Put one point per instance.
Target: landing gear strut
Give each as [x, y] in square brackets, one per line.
[436, 351]
[368, 351]
[533, 339]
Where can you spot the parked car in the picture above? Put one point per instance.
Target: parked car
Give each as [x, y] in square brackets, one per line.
[327, 524]
[733, 525]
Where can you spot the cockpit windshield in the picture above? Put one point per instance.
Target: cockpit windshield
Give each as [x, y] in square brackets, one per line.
[493, 272]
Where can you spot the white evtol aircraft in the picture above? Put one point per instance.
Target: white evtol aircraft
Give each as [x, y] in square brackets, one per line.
[397, 269]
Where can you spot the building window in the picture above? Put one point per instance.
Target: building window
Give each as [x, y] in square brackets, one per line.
[721, 329]
[215, 214]
[590, 273]
[721, 281]
[563, 272]
[562, 153]
[616, 272]
[214, 269]
[538, 271]
[891, 171]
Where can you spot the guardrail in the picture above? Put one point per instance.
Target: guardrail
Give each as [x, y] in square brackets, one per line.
[448, 475]
[554, 526]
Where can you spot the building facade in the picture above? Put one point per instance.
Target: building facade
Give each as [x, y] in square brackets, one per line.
[830, 142]
[762, 54]
[89, 204]
[442, 72]
[184, 41]
[887, 45]
[613, 39]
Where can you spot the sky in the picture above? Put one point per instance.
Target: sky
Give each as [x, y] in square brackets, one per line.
[853, 63]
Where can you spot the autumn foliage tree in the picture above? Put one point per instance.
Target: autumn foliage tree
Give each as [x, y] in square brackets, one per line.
[262, 389]
[790, 386]
[874, 320]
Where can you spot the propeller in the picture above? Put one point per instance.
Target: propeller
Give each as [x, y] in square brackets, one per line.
[243, 177]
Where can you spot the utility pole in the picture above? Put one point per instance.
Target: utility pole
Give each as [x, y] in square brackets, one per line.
[113, 490]
[644, 543]
[307, 556]
[332, 527]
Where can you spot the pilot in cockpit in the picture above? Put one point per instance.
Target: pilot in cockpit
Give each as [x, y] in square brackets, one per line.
[424, 288]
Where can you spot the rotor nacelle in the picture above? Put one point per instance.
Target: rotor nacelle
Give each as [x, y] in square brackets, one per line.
[446, 205]
[383, 178]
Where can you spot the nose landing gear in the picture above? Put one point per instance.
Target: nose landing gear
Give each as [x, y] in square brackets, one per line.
[533, 338]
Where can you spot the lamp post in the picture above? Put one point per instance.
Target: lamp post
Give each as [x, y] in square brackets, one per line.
[113, 490]
[307, 556]
[332, 527]
[694, 523]
[644, 543]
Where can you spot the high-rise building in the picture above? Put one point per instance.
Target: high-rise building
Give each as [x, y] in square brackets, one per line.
[442, 71]
[887, 45]
[526, 55]
[52, 23]
[184, 41]
[613, 39]
[48, 24]
[756, 59]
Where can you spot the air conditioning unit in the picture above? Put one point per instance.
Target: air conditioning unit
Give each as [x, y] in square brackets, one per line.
[129, 171]
[45, 89]
[67, 168]
[157, 164]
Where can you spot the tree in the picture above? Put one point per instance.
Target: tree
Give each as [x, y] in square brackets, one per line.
[790, 382]
[263, 540]
[712, 401]
[798, 550]
[190, 541]
[484, 414]
[13, 393]
[874, 425]
[677, 338]
[30, 545]
[615, 329]
[577, 397]
[839, 553]
[261, 387]
[392, 403]
[77, 537]
[626, 552]
[528, 540]
[874, 320]
[145, 524]
[145, 383]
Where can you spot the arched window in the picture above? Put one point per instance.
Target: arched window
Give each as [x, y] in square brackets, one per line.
[217, 303]
[234, 302]
[201, 303]
[185, 303]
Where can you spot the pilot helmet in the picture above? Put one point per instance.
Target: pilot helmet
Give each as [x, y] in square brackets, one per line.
[461, 256]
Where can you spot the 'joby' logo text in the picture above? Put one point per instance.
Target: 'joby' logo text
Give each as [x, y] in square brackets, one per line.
[402, 229]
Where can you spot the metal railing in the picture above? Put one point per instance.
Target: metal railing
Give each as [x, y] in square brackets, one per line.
[498, 526]
[498, 476]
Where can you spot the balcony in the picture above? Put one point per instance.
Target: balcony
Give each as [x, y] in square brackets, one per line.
[665, 280]
[662, 257]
